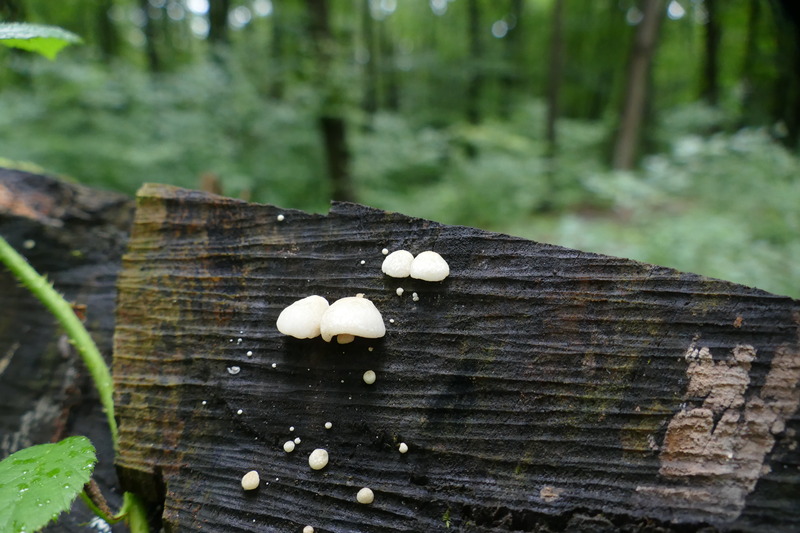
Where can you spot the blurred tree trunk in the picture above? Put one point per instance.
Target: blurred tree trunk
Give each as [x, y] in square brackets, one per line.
[787, 108]
[107, 34]
[709, 81]
[554, 75]
[475, 82]
[218, 21]
[149, 31]
[12, 11]
[637, 86]
[391, 86]
[511, 78]
[749, 61]
[276, 86]
[331, 122]
[370, 100]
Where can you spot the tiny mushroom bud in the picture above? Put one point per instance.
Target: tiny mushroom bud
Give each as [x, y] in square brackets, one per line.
[308, 529]
[318, 459]
[250, 480]
[302, 318]
[352, 317]
[397, 264]
[365, 496]
[288, 446]
[402, 448]
[369, 377]
[429, 266]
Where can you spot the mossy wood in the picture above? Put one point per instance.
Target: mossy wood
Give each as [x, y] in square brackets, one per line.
[76, 236]
[537, 388]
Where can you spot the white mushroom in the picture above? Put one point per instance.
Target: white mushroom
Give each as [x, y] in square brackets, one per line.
[397, 264]
[318, 459]
[365, 496]
[288, 446]
[302, 318]
[402, 447]
[429, 266]
[369, 377]
[352, 317]
[250, 480]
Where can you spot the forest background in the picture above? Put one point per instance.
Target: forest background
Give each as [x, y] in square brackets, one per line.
[659, 130]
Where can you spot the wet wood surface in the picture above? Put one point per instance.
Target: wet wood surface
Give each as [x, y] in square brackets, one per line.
[537, 388]
[76, 236]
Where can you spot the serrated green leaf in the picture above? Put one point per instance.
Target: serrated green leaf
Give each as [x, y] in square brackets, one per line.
[39, 483]
[45, 40]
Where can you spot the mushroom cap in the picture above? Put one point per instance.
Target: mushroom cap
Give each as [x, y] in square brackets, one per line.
[397, 264]
[365, 496]
[353, 315]
[429, 266]
[318, 459]
[302, 318]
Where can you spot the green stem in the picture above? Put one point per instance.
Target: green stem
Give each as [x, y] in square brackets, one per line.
[133, 512]
[77, 333]
[136, 514]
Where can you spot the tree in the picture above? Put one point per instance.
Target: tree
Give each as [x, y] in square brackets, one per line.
[554, 74]
[370, 76]
[709, 90]
[787, 101]
[637, 86]
[331, 121]
[511, 77]
[218, 21]
[149, 31]
[475, 81]
[107, 34]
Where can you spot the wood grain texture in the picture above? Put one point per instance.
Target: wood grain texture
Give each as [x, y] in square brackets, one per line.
[76, 236]
[538, 388]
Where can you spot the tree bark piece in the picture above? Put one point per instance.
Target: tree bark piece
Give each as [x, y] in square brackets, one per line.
[537, 388]
[74, 235]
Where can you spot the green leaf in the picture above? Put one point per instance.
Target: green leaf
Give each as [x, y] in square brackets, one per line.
[39, 483]
[46, 40]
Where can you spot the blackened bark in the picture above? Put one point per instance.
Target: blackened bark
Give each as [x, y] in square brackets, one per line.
[537, 388]
[75, 236]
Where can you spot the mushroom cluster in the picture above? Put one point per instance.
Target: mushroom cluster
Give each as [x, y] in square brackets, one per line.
[345, 319]
[427, 266]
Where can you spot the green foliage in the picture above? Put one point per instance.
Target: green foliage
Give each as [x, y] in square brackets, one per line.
[45, 40]
[715, 200]
[40, 482]
[118, 127]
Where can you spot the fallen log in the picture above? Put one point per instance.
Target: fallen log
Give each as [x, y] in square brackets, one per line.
[75, 235]
[537, 388]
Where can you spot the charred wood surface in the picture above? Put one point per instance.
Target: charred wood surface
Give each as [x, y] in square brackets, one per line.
[538, 388]
[76, 236]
